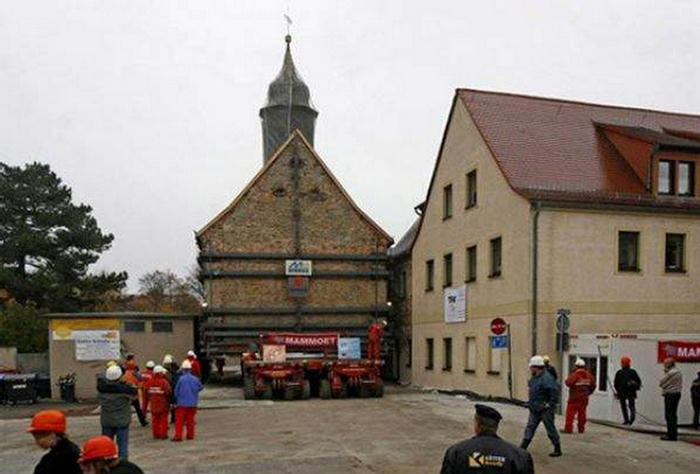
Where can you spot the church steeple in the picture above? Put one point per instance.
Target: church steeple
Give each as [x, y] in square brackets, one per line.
[287, 108]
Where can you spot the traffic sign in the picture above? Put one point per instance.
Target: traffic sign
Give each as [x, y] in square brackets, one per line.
[499, 342]
[498, 326]
[563, 320]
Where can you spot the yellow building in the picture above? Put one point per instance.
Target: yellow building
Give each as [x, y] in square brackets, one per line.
[538, 204]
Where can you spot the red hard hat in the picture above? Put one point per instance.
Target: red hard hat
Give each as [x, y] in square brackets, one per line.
[99, 447]
[48, 420]
[625, 361]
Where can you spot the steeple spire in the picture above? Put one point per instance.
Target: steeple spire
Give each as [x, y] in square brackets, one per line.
[288, 107]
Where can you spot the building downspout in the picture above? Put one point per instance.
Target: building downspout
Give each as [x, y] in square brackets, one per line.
[533, 299]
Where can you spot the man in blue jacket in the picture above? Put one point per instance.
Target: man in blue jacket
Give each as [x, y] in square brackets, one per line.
[187, 395]
[543, 398]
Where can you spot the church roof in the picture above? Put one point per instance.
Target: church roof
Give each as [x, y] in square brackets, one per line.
[278, 92]
[295, 135]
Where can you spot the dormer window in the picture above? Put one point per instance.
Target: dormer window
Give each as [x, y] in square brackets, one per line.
[686, 178]
[666, 177]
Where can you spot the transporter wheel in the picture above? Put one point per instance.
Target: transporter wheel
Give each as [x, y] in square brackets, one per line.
[343, 389]
[248, 388]
[305, 390]
[290, 393]
[324, 389]
[365, 391]
[379, 389]
[267, 393]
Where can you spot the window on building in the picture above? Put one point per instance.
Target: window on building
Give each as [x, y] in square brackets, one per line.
[471, 263]
[471, 189]
[494, 358]
[429, 275]
[686, 178]
[134, 326]
[470, 354]
[447, 353]
[495, 257]
[447, 270]
[429, 355]
[675, 253]
[666, 177]
[409, 362]
[447, 202]
[628, 253]
[162, 326]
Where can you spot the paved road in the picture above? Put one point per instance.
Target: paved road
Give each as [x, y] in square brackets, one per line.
[406, 432]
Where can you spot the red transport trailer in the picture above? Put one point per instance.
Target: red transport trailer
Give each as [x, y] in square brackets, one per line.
[311, 366]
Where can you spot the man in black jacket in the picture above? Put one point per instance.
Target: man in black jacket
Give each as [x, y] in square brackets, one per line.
[49, 430]
[695, 398]
[627, 383]
[486, 453]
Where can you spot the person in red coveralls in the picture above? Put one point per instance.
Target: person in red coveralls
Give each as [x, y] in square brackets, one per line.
[159, 395]
[146, 376]
[374, 340]
[581, 384]
[196, 366]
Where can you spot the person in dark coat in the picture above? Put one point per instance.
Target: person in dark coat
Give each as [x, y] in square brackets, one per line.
[115, 407]
[486, 453]
[695, 398]
[550, 368]
[49, 430]
[543, 396]
[627, 383]
[172, 376]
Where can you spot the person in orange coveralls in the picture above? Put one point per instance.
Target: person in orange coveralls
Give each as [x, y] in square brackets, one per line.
[196, 366]
[374, 340]
[581, 384]
[159, 396]
[131, 377]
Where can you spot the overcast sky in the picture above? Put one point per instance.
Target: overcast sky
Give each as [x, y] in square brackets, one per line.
[149, 109]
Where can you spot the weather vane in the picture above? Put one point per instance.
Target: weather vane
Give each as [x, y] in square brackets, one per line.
[288, 20]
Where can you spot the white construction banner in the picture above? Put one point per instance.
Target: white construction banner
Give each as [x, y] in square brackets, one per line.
[456, 304]
[96, 345]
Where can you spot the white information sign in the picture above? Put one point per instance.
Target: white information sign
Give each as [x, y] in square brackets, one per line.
[456, 304]
[297, 267]
[349, 348]
[96, 344]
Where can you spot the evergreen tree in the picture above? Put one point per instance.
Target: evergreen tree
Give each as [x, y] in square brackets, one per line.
[47, 242]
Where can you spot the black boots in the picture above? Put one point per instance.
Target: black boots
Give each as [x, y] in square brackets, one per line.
[525, 443]
[557, 451]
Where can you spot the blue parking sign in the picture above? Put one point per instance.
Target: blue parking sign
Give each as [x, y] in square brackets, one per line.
[499, 342]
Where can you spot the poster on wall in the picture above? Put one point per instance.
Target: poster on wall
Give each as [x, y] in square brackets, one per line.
[349, 348]
[682, 351]
[96, 345]
[64, 329]
[456, 304]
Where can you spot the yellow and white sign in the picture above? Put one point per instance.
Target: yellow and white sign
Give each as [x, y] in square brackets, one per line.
[63, 329]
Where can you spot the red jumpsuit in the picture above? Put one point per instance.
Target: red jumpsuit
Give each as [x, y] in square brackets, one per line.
[146, 376]
[196, 366]
[159, 395]
[374, 341]
[581, 384]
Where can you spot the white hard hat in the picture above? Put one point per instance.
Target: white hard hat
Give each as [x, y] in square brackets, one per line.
[150, 364]
[536, 361]
[113, 373]
[186, 365]
[580, 362]
[191, 354]
[159, 369]
[168, 359]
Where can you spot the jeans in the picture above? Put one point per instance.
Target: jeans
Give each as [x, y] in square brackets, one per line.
[671, 401]
[624, 402]
[547, 418]
[122, 435]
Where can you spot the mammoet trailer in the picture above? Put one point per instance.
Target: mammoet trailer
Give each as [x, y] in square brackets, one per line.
[297, 365]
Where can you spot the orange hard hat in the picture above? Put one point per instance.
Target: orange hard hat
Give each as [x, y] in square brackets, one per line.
[48, 420]
[625, 361]
[99, 447]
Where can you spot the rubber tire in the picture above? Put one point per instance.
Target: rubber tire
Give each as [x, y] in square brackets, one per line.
[379, 389]
[324, 389]
[305, 392]
[267, 393]
[290, 393]
[248, 388]
[343, 390]
[365, 391]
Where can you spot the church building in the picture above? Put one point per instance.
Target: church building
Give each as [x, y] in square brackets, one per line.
[292, 251]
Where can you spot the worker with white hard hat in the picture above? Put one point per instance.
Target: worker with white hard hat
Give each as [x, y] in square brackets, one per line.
[115, 407]
[542, 400]
[581, 385]
[196, 366]
[158, 397]
[187, 396]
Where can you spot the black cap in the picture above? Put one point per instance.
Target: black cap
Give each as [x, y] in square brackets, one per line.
[487, 412]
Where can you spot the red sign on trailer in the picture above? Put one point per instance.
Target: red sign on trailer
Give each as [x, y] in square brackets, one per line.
[681, 351]
[320, 340]
[498, 326]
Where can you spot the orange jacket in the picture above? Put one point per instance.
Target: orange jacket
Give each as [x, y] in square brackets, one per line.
[581, 384]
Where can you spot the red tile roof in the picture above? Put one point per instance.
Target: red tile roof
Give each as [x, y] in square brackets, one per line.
[554, 149]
